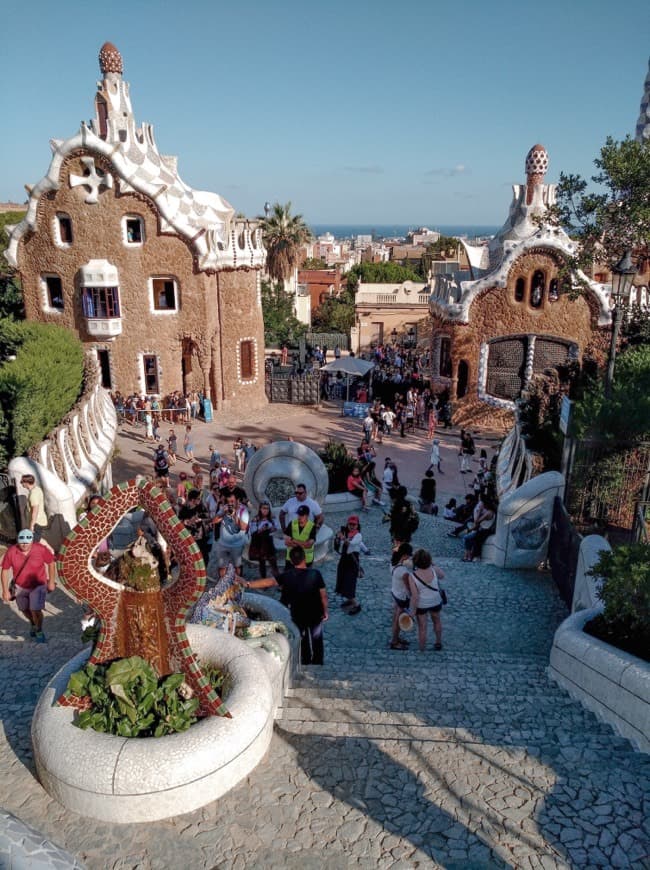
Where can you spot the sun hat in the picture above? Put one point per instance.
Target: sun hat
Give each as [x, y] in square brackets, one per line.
[25, 536]
[405, 621]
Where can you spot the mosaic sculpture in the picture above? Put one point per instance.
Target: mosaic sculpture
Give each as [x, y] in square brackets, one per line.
[148, 623]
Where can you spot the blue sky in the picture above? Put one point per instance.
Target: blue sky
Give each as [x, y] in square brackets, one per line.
[359, 111]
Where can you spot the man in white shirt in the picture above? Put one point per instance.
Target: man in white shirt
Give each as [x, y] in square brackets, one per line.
[289, 510]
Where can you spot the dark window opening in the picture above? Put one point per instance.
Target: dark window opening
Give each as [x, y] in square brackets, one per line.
[150, 367]
[102, 116]
[54, 287]
[553, 291]
[520, 289]
[537, 289]
[246, 360]
[134, 233]
[105, 368]
[463, 378]
[65, 229]
[100, 302]
[164, 294]
[445, 358]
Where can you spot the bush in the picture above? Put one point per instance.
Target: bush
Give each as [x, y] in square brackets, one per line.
[40, 386]
[625, 592]
[339, 464]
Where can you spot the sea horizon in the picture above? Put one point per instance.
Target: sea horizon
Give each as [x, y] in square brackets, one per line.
[384, 231]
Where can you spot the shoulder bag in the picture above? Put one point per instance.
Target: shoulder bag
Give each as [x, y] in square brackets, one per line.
[441, 592]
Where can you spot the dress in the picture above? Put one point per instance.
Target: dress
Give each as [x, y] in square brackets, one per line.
[347, 571]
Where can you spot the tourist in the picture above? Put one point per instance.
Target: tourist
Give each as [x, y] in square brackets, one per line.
[37, 518]
[194, 516]
[188, 444]
[249, 451]
[304, 593]
[349, 543]
[372, 483]
[262, 545]
[183, 487]
[232, 519]
[301, 532]
[238, 452]
[161, 464]
[231, 487]
[482, 529]
[434, 458]
[31, 567]
[172, 447]
[388, 417]
[401, 564]
[426, 597]
[289, 510]
[465, 514]
[427, 502]
[404, 520]
[215, 458]
[356, 487]
[467, 450]
[449, 510]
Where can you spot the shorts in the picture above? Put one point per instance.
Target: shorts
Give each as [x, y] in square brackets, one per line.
[422, 610]
[403, 603]
[226, 555]
[31, 599]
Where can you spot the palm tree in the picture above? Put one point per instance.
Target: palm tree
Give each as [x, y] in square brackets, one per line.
[284, 235]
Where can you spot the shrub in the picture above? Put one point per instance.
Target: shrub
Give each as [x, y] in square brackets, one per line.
[625, 592]
[339, 464]
[40, 386]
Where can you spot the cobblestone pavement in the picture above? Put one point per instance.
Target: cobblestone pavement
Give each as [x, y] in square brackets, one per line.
[466, 758]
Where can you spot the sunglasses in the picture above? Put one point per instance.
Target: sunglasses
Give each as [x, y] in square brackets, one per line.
[300, 492]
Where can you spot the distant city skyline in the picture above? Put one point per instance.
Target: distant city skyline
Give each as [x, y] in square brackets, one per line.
[357, 113]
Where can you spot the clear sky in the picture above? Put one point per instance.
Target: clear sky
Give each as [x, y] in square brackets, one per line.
[358, 111]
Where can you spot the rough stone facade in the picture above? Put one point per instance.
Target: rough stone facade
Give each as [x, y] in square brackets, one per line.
[490, 335]
[182, 273]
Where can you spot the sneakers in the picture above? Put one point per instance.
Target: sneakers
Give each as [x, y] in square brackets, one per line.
[398, 644]
[32, 631]
[40, 637]
[437, 646]
[352, 611]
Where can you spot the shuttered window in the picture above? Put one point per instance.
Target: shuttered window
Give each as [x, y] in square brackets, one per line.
[246, 360]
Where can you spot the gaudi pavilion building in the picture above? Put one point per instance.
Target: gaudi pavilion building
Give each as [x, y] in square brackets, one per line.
[159, 280]
[509, 317]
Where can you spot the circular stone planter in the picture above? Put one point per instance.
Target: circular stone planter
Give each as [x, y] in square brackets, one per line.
[118, 779]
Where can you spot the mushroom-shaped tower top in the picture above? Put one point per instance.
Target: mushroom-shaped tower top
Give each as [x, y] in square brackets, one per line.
[110, 60]
[537, 161]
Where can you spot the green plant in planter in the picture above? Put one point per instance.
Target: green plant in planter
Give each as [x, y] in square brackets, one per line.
[625, 592]
[130, 700]
[339, 464]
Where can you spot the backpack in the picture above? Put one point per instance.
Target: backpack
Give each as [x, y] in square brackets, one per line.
[412, 521]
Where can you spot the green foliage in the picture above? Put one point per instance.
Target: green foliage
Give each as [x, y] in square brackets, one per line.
[11, 296]
[615, 217]
[380, 273]
[626, 415]
[280, 322]
[336, 314]
[625, 591]
[339, 464]
[284, 235]
[314, 263]
[137, 575]
[39, 386]
[130, 700]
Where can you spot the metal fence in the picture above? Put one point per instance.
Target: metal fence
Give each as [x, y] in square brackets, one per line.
[330, 340]
[605, 484]
[282, 386]
[563, 549]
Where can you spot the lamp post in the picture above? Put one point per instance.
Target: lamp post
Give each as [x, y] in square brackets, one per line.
[622, 277]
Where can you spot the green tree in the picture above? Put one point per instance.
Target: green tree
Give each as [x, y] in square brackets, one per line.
[615, 216]
[336, 314]
[280, 322]
[380, 273]
[284, 235]
[314, 263]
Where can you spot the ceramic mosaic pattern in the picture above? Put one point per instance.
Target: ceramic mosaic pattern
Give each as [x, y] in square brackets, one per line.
[104, 596]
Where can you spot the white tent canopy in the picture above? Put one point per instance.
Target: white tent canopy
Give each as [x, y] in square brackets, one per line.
[350, 366]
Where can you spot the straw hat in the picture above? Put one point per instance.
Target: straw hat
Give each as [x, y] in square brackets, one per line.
[405, 621]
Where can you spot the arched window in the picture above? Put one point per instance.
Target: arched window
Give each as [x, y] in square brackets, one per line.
[102, 116]
[520, 289]
[537, 289]
[553, 291]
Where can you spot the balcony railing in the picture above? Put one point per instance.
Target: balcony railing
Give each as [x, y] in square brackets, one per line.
[104, 327]
[393, 299]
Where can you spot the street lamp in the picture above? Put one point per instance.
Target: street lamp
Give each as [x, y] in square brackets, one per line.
[622, 277]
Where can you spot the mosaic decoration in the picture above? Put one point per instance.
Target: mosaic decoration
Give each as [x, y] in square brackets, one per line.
[127, 624]
[530, 532]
